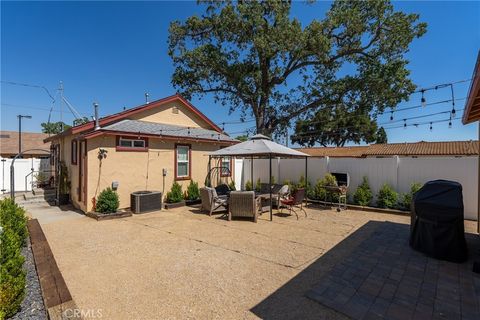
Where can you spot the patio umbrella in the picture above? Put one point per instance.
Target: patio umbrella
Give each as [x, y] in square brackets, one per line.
[260, 146]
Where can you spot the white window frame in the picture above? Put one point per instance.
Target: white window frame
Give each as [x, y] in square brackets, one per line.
[187, 148]
[131, 143]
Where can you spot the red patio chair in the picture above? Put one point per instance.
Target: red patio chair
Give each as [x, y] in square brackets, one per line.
[296, 200]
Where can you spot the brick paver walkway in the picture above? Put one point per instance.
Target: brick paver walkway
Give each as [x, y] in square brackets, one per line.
[385, 279]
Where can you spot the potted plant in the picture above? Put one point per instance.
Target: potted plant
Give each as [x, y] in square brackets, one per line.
[193, 194]
[63, 185]
[175, 197]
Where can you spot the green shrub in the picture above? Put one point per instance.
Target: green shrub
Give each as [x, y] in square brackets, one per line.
[13, 217]
[231, 186]
[321, 193]
[175, 194]
[12, 275]
[363, 195]
[273, 179]
[193, 193]
[406, 198]
[107, 201]
[258, 185]
[387, 197]
[303, 183]
[248, 185]
[12, 292]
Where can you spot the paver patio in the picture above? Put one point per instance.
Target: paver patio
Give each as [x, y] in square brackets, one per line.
[183, 264]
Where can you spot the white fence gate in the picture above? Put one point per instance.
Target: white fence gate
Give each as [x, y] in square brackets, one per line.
[23, 168]
[399, 172]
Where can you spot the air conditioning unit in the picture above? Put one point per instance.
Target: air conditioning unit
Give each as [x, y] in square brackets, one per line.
[145, 201]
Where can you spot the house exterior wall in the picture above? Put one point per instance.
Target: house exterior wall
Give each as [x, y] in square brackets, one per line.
[140, 170]
[164, 114]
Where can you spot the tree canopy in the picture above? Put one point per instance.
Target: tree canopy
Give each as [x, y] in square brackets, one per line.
[54, 127]
[381, 136]
[252, 56]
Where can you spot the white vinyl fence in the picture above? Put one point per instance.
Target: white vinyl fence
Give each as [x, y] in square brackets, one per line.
[399, 172]
[22, 168]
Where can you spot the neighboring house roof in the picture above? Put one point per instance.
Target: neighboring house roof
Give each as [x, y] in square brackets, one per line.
[472, 105]
[30, 140]
[126, 113]
[160, 129]
[422, 148]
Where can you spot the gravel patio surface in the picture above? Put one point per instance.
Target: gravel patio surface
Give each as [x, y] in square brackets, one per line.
[183, 264]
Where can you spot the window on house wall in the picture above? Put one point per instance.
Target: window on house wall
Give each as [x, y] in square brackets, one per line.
[128, 143]
[226, 167]
[74, 153]
[182, 159]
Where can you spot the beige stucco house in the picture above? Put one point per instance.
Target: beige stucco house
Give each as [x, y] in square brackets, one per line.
[168, 134]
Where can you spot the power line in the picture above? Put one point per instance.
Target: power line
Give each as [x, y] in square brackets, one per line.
[31, 86]
[27, 107]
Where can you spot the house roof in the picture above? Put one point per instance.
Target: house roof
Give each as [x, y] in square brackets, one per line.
[89, 126]
[30, 140]
[422, 148]
[167, 130]
[472, 105]
[258, 145]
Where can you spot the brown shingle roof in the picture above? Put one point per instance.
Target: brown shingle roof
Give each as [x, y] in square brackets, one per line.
[30, 140]
[422, 148]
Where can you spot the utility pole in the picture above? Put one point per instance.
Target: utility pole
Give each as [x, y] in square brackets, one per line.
[20, 130]
[60, 89]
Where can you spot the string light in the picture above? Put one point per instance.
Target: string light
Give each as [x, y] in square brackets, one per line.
[431, 127]
[391, 116]
[423, 100]
[405, 123]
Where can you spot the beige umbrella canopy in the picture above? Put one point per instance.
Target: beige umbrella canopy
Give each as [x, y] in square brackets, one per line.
[260, 146]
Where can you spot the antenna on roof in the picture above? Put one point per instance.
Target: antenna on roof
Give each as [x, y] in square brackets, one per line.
[146, 97]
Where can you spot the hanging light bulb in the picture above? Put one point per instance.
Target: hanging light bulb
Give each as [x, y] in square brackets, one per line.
[404, 123]
[450, 123]
[431, 128]
[223, 126]
[453, 102]
[391, 116]
[423, 100]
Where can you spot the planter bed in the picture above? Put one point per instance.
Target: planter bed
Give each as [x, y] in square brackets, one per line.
[362, 208]
[193, 202]
[174, 205]
[108, 216]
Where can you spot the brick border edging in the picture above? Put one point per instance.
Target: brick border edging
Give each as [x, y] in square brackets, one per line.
[56, 296]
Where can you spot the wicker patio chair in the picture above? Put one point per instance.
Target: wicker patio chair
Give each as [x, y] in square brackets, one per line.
[295, 201]
[210, 200]
[243, 204]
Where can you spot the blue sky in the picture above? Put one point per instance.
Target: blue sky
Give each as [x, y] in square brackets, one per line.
[114, 52]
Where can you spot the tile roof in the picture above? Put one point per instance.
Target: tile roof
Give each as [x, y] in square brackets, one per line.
[144, 127]
[30, 140]
[422, 148]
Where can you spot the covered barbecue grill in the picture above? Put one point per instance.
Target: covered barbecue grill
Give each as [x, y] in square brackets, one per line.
[437, 221]
[341, 188]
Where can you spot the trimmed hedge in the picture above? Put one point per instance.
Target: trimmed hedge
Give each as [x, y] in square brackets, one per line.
[107, 201]
[363, 195]
[193, 193]
[387, 197]
[175, 195]
[12, 239]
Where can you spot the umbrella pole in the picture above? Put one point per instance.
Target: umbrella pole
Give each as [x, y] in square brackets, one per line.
[270, 184]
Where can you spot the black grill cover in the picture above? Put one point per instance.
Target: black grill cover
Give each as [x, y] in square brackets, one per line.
[437, 221]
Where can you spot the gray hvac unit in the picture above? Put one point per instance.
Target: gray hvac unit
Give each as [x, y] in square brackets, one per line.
[145, 201]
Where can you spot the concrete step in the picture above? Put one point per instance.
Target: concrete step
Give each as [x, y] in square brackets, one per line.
[43, 191]
[35, 201]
